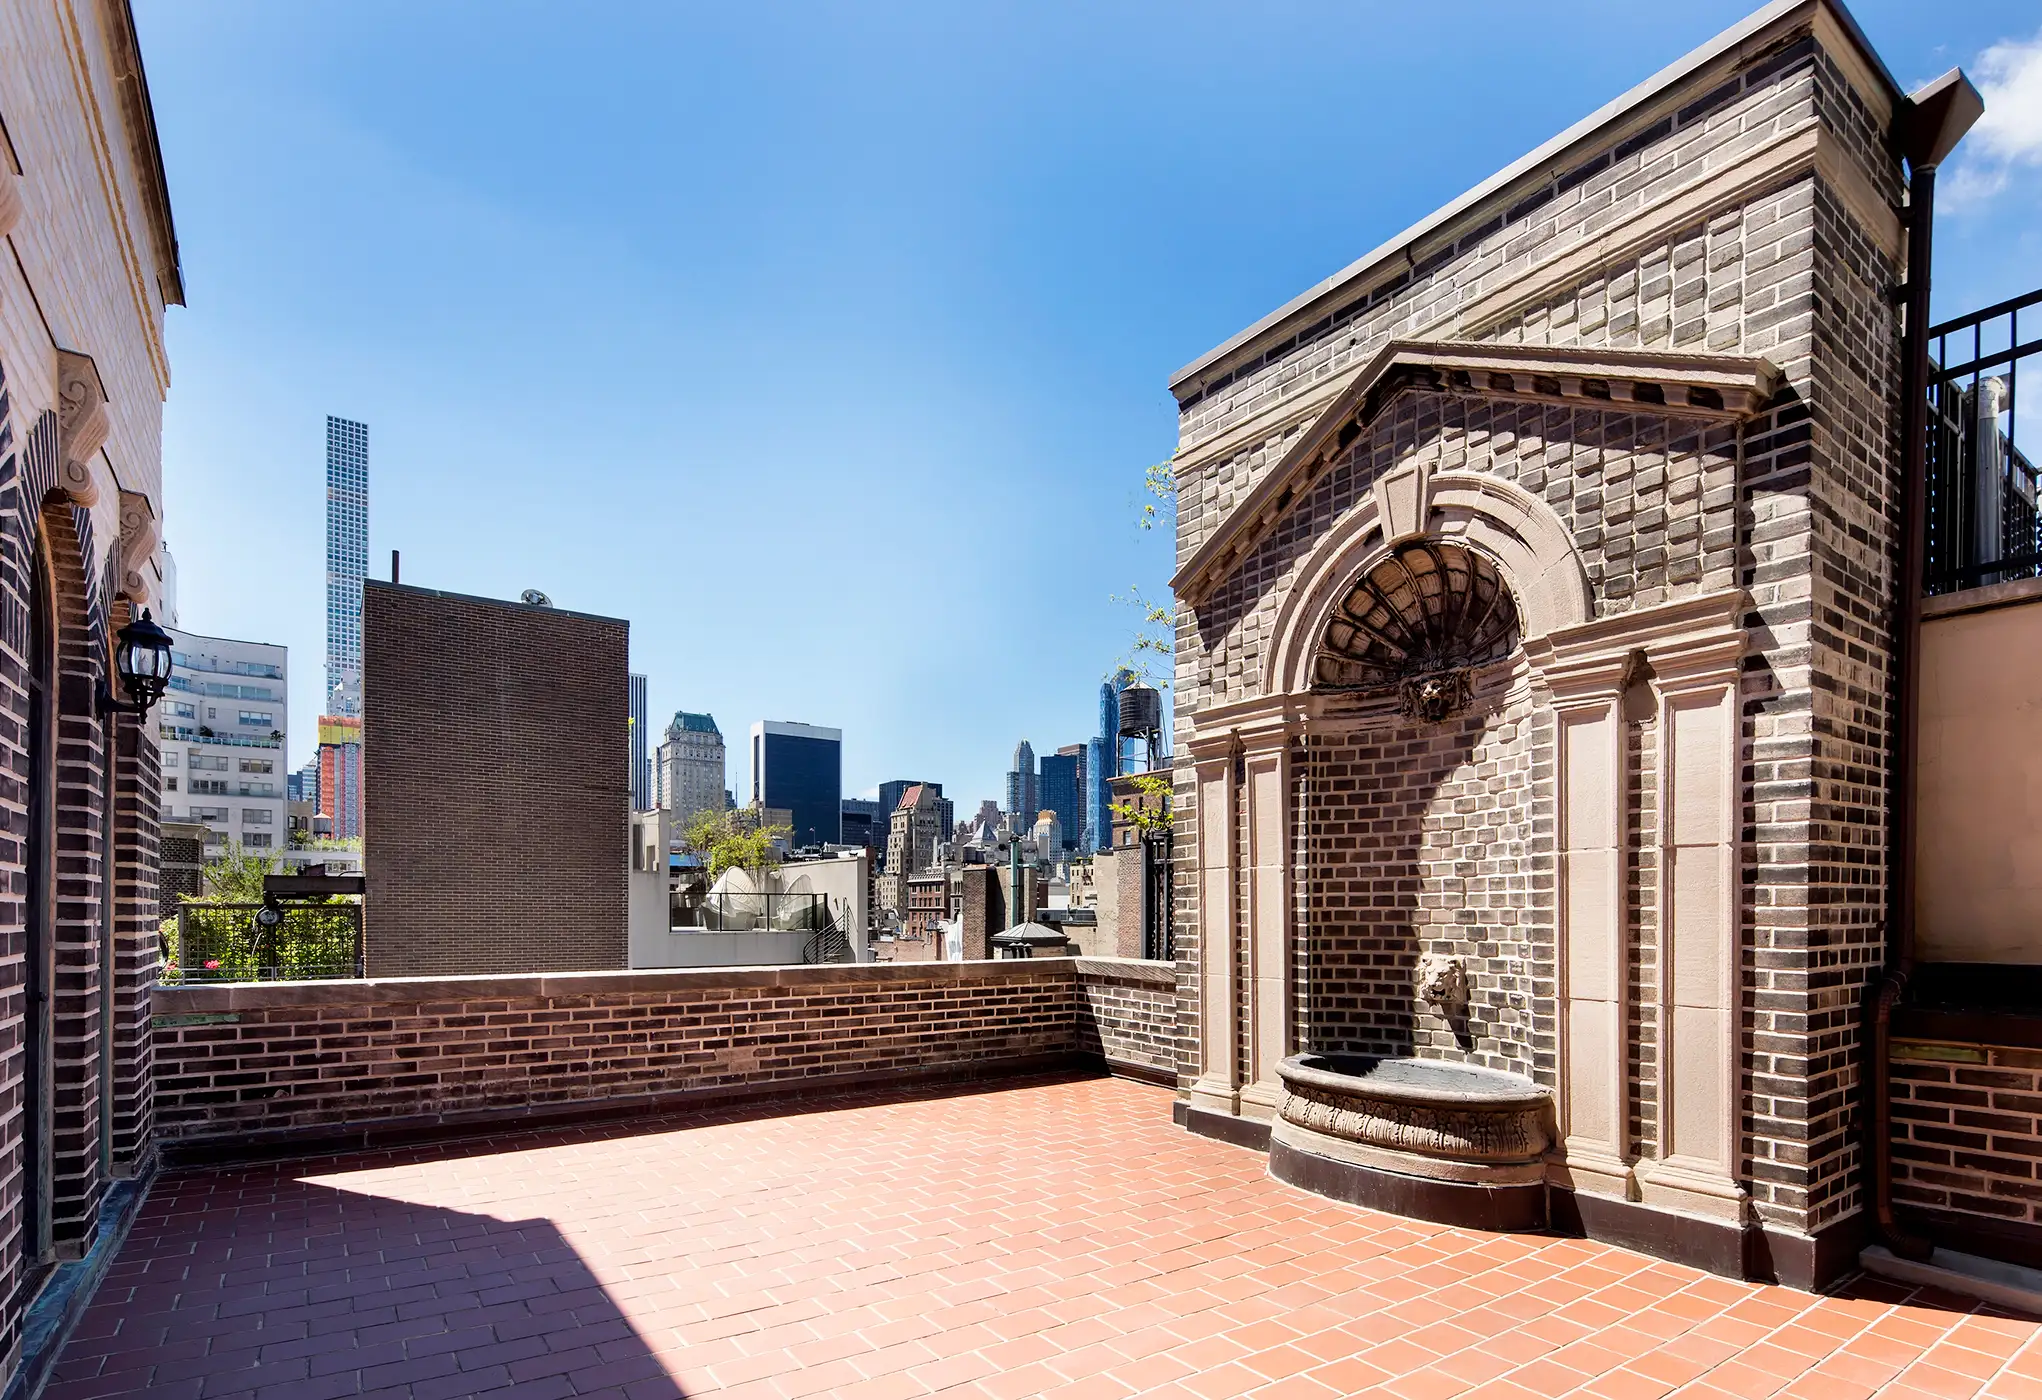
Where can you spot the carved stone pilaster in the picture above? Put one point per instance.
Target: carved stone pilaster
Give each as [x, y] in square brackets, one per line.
[82, 424]
[138, 547]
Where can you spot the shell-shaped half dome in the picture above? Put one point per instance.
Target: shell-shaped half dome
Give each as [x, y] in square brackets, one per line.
[1431, 606]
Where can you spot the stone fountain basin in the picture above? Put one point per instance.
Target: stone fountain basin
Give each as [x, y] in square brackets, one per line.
[1435, 1139]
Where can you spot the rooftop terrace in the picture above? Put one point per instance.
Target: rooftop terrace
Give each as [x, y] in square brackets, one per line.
[1042, 1236]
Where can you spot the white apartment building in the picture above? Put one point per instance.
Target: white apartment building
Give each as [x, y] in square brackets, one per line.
[222, 726]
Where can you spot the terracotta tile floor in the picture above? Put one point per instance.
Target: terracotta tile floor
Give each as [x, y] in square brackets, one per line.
[1040, 1238]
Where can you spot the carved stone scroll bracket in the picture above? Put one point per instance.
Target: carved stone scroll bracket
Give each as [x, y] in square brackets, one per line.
[82, 424]
[138, 547]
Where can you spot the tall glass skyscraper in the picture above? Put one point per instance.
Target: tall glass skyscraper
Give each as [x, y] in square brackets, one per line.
[1023, 796]
[1102, 764]
[1060, 794]
[799, 769]
[347, 560]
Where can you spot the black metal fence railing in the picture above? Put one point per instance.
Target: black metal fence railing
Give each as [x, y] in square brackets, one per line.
[227, 943]
[696, 911]
[1982, 524]
[1158, 941]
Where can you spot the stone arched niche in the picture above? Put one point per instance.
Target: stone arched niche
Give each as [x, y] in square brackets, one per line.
[1253, 811]
[1432, 607]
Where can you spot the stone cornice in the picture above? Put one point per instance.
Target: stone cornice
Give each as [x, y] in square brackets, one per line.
[1719, 387]
[138, 121]
[1695, 640]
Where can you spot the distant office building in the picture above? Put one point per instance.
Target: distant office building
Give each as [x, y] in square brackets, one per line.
[1062, 792]
[800, 767]
[1102, 764]
[913, 830]
[1049, 836]
[303, 783]
[221, 723]
[889, 798]
[890, 794]
[641, 759]
[347, 560]
[1024, 797]
[863, 824]
[338, 813]
[1077, 833]
[690, 776]
[480, 737]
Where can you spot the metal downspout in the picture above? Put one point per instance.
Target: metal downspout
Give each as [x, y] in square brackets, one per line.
[1914, 388]
[1928, 127]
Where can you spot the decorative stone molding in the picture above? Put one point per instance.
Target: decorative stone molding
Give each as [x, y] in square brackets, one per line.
[1530, 544]
[1443, 981]
[1724, 388]
[1429, 1118]
[1218, 1086]
[82, 424]
[138, 546]
[1403, 500]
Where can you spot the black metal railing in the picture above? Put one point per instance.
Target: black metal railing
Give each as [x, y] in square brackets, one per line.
[1982, 523]
[1158, 923]
[228, 943]
[750, 913]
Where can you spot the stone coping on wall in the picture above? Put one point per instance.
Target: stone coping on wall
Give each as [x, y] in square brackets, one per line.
[255, 996]
[1127, 970]
[1982, 597]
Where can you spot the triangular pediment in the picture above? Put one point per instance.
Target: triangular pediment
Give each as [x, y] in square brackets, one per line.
[1716, 387]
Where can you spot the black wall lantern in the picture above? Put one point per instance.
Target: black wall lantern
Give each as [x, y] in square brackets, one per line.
[141, 656]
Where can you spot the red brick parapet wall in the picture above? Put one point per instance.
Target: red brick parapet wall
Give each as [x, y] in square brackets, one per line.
[244, 1064]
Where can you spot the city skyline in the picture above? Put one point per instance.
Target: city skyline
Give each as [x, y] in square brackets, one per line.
[980, 330]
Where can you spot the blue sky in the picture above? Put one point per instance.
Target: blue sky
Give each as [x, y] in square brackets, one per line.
[827, 343]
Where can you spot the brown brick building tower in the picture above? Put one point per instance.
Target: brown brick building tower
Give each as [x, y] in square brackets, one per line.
[83, 373]
[496, 767]
[1535, 577]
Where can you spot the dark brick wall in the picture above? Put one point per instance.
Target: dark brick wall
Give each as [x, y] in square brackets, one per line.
[1422, 839]
[284, 1058]
[1795, 507]
[1967, 1132]
[43, 532]
[497, 781]
[1127, 1014]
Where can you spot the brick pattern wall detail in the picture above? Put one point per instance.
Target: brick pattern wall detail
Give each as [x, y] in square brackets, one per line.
[495, 750]
[1422, 840]
[137, 953]
[1127, 1013]
[253, 1059]
[1967, 1131]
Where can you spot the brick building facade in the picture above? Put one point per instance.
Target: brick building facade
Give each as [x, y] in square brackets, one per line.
[1648, 378]
[497, 784]
[83, 372]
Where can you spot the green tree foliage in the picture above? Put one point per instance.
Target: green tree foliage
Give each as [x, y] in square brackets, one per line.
[236, 877]
[1149, 811]
[736, 840]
